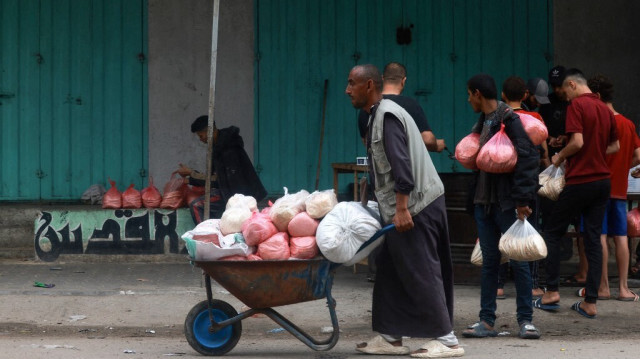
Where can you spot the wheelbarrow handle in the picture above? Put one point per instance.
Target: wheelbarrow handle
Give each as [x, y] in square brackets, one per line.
[377, 235]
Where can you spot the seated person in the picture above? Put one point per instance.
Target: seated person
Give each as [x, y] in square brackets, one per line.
[237, 174]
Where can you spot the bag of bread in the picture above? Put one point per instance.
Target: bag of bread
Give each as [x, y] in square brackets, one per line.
[286, 207]
[552, 182]
[319, 203]
[521, 242]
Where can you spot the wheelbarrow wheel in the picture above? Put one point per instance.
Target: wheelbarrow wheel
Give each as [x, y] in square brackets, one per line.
[205, 342]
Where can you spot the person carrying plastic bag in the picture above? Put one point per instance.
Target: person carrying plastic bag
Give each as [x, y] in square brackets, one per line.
[591, 127]
[500, 198]
[521, 242]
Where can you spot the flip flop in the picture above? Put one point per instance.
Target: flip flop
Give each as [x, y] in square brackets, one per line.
[478, 330]
[528, 331]
[435, 349]
[379, 346]
[576, 307]
[582, 292]
[635, 298]
[545, 306]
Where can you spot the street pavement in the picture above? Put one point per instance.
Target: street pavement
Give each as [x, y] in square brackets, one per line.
[108, 310]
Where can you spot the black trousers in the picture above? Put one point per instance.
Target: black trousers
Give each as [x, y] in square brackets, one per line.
[589, 200]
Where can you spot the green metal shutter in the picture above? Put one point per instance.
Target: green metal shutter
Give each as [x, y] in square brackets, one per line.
[81, 73]
[299, 43]
[302, 43]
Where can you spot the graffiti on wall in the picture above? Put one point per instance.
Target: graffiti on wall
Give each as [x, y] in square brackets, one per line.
[120, 231]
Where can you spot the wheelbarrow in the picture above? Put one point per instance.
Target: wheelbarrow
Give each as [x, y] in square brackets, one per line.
[213, 327]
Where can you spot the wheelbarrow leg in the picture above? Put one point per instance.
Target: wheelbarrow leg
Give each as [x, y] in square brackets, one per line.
[319, 345]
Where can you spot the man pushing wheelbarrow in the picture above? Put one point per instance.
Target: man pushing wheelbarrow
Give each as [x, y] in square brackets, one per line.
[413, 292]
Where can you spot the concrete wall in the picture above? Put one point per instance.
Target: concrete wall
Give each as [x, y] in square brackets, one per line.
[602, 37]
[179, 71]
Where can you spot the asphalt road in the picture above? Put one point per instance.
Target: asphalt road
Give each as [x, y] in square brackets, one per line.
[110, 310]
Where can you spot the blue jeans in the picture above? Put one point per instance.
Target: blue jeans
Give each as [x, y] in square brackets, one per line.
[492, 222]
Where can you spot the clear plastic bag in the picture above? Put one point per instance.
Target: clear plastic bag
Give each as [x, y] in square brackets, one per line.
[318, 204]
[552, 182]
[476, 255]
[497, 155]
[286, 207]
[467, 151]
[521, 242]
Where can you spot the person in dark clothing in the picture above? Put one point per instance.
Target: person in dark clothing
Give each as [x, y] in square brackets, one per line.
[231, 170]
[499, 200]
[415, 260]
[555, 111]
[554, 115]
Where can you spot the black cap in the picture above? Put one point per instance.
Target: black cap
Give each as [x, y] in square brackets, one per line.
[556, 76]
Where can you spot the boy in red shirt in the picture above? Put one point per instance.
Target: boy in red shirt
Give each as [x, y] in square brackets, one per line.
[592, 134]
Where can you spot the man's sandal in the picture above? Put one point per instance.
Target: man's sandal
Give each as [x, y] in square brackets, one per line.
[528, 331]
[379, 346]
[435, 349]
[479, 330]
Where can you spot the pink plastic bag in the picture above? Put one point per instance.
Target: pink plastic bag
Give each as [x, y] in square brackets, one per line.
[497, 155]
[151, 197]
[633, 223]
[174, 192]
[131, 198]
[467, 151]
[302, 225]
[267, 210]
[258, 228]
[276, 247]
[254, 257]
[535, 128]
[303, 247]
[113, 198]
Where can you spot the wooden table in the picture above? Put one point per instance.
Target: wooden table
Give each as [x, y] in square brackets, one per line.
[348, 168]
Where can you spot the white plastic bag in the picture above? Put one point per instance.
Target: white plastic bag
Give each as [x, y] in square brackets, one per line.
[93, 194]
[552, 182]
[343, 231]
[240, 200]
[521, 242]
[476, 255]
[230, 245]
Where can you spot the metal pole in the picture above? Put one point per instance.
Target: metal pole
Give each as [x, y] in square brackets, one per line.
[212, 97]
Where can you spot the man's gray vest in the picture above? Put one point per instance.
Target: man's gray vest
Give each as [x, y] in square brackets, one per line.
[427, 183]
